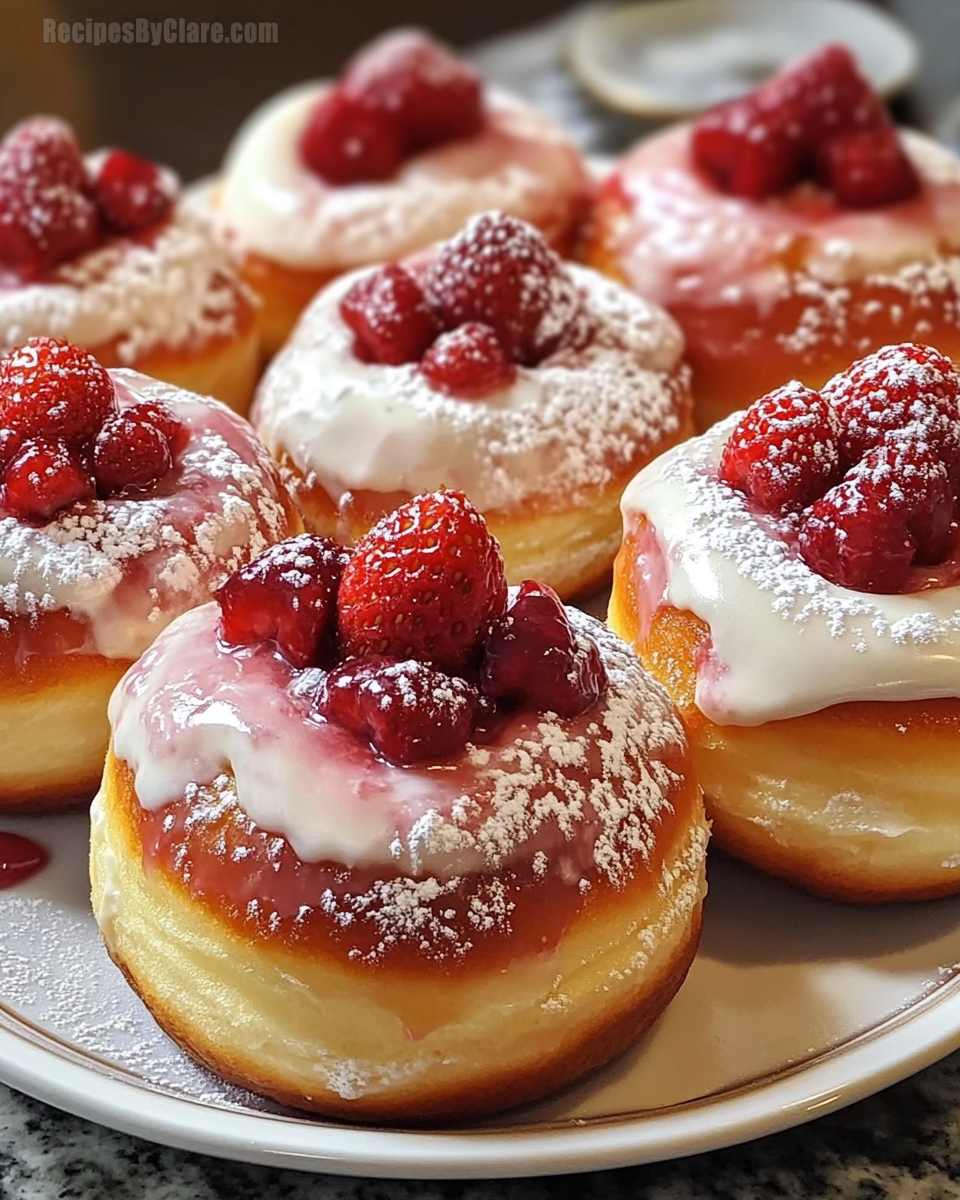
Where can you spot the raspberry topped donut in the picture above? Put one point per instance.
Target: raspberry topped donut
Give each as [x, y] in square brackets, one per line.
[123, 503]
[793, 578]
[396, 154]
[437, 844]
[788, 232]
[486, 365]
[101, 252]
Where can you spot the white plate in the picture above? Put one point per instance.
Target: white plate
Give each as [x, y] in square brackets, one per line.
[794, 1007]
[676, 57]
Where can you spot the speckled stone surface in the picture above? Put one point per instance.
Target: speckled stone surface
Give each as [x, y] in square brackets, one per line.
[903, 1144]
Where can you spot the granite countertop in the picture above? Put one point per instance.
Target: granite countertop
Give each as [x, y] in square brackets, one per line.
[903, 1144]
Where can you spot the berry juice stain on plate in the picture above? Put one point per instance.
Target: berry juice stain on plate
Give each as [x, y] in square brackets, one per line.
[20, 858]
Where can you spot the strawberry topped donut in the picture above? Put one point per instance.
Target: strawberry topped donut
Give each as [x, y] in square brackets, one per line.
[788, 232]
[793, 578]
[436, 843]
[100, 251]
[394, 155]
[487, 365]
[123, 503]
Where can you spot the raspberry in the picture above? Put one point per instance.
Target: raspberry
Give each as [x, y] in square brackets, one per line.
[409, 711]
[346, 142]
[40, 227]
[129, 455]
[468, 362]
[10, 443]
[43, 477]
[131, 193]
[896, 387]
[868, 169]
[431, 95]
[784, 452]
[288, 594]
[892, 509]
[499, 271]
[762, 144]
[426, 583]
[51, 389]
[155, 412]
[534, 659]
[43, 152]
[390, 316]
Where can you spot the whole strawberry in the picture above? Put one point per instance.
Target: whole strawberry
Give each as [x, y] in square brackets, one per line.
[426, 583]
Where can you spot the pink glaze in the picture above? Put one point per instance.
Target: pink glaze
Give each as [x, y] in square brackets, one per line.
[685, 242]
[124, 567]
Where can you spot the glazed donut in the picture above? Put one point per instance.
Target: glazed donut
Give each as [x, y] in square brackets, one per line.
[381, 940]
[545, 451]
[295, 230]
[814, 666]
[143, 284]
[86, 587]
[793, 284]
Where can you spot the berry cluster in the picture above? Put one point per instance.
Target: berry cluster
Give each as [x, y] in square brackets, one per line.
[63, 437]
[869, 466]
[418, 647]
[493, 297]
[402, 94]
[820, 120]
[53, 208]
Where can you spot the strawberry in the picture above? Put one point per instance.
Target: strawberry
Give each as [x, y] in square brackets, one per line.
[345, 141]
[54, 390]
[499, 271]
[130, 455]
[868, 169]
[390, 316]
[431, 95]
[42, 478]
[131, 193]
[155, 412]
[749, 150]
[287, 594]
[784, 451]
[468, 362]
[42, 227]
[410, 712]
[893, 388]
[43, 152]
[425, 583]
[534, 659]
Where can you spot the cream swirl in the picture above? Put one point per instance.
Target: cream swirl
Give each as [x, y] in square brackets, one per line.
[272, 204]
[783, 640]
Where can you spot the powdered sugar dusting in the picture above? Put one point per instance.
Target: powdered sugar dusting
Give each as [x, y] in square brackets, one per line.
[565, 427]
[180, 288]
[784, 640]
[219, 506]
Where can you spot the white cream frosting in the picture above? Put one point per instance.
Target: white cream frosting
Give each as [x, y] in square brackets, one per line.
[784, 640]
[219, 506]
[178, 288]
[569, 424]
[271, 203]
[585, 791]
[685, 242]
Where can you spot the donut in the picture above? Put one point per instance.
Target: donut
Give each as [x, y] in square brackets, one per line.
[540, 401]
[387, 889]
[102, 253]
[146, 502]
[775, 278]
[428, 148]
[793, 578]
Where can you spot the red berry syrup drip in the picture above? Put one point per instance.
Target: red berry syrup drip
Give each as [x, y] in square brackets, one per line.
[20, 858]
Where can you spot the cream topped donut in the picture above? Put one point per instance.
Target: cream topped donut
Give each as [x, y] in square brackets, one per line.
[440, 870]
[485, 365]
[123, 503]
[792, 577]
[396, 154]
[787, 232]
[102, 253]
